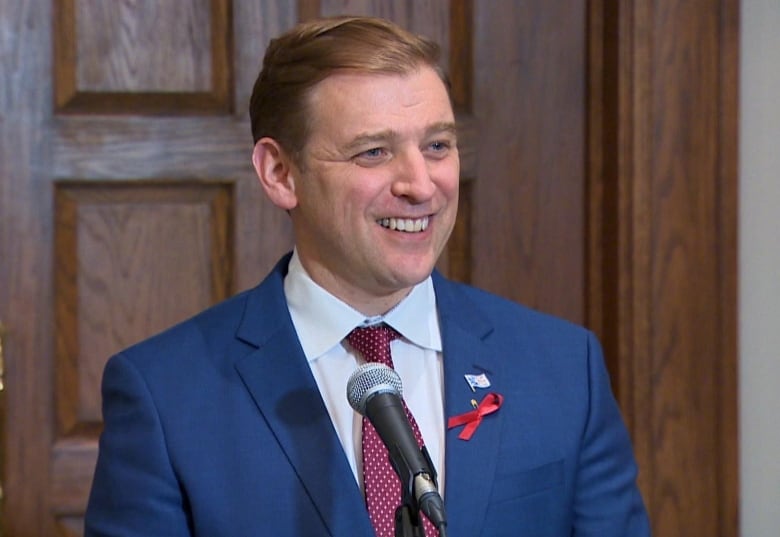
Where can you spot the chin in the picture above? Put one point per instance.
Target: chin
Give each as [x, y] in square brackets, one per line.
[407, 268]
[411, 278]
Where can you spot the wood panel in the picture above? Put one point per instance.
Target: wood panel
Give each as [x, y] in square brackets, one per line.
[663, 250]
[131, 258]
[118, 246]
[143, 57]
[529, 93]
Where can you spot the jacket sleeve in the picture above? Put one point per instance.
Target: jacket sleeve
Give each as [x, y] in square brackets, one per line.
[135, 492]
[607, 501]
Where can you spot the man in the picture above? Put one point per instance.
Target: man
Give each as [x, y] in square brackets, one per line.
[236, 422]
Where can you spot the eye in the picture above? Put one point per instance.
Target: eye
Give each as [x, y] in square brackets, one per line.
[372, 157]
[439, 148]
[373, 153]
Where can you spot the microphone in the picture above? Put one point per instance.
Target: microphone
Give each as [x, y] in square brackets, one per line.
[374, 390]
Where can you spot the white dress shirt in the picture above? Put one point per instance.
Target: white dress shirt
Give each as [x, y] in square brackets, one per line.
[322, 321]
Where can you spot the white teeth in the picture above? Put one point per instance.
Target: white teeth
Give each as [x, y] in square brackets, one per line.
[407, 225]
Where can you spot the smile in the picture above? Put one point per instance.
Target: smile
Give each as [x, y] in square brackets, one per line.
[408, 225]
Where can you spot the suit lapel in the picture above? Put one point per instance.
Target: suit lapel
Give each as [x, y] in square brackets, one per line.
[280, 381]
[470, 465]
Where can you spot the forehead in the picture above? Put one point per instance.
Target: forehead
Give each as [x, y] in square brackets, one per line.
[347, 103]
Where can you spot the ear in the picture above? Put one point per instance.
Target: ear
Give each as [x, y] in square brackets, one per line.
[275, 171]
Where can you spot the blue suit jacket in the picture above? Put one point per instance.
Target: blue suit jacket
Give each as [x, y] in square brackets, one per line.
[216, 428]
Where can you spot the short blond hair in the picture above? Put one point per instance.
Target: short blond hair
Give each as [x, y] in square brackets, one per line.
[310, 52]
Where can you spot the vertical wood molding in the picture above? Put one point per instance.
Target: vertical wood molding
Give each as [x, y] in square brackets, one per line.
[662, 273]
[461, 61]
[728, 188]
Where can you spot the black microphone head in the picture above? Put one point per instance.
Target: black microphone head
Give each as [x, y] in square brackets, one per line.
[368, 380]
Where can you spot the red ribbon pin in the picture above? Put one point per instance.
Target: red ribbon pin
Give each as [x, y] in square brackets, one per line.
[473, 418]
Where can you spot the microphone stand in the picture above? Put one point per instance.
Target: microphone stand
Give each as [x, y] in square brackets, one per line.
[407, 523]
[408, 519]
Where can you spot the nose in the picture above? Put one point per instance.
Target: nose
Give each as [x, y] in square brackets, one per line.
[413, 178]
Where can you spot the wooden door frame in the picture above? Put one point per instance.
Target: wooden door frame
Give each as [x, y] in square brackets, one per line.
[662, 267]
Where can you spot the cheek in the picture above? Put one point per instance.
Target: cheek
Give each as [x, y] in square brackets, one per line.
[449, 181]
[319, 194]
[365, 195]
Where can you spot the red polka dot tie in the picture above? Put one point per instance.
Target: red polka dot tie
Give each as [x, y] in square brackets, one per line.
[383, 488]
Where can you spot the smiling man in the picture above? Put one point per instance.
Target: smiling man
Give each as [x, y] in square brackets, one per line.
[236, 423]
[374, 193]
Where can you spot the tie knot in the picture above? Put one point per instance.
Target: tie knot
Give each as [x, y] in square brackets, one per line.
[373, 342]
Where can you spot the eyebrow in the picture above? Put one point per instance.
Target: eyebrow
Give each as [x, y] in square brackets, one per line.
[442, 126]
[390, 135]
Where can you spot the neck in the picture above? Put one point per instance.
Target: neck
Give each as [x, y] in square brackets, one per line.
[371, 306]
[368, 297]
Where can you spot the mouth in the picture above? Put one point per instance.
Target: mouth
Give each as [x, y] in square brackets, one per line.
[407, 225]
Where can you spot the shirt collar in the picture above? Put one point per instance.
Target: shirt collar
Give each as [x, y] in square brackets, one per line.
[322, 321]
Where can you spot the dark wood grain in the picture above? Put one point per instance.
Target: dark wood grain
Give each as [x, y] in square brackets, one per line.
[25, 263]
[461, 60]
[146, 148]
[662, 228]
[726, 245]
[164, 47]
[528, 97]
[132, 258]
[119, 58]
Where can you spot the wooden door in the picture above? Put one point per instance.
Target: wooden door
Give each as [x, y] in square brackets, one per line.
[128, 202]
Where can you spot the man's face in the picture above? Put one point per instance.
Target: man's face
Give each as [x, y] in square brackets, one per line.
[377, 191]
